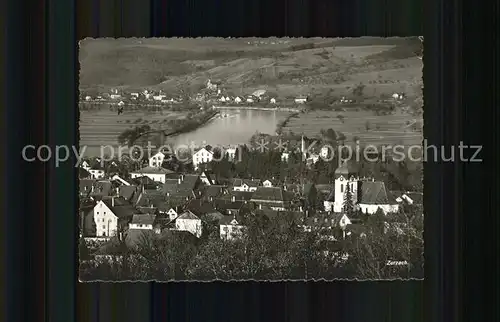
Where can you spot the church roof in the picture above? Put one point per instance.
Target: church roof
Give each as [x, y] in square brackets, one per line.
[375, 193]
[346, 169]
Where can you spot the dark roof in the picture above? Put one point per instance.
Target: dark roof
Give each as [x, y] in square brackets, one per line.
[346, 170]
[374, 192]
[326, 188]
[307, 188]
[86, 185]
[213, 191]
[153, 170]
[82, 173]
[271, 194]
[228, 204]
[185, 188]
[142, 180]
[226, 220]
[237, 182]
[127, 192]
[121, 207]
[147, 210]
[102, 188]
[200, 207]
[238, 195]
[143, 219]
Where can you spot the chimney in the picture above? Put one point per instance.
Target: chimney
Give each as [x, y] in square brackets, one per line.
[179, 181]
[233, 198]
[211, 198]
[117, 191]
[112, 201]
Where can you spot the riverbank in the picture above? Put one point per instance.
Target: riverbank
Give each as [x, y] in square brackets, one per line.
[282, 124]
[277, 109]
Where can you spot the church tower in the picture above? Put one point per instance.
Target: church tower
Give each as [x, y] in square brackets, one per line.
[345, 175]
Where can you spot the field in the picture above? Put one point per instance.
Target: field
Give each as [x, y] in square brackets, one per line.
[382, 130]
[102, 127]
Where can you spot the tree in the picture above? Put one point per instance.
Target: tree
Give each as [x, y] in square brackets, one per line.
[83, 250]
[358, 90]
[348, 205]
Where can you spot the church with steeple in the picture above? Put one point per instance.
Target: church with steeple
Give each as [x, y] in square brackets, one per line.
[367, 194]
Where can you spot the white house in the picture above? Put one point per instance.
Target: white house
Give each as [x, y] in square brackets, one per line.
[158, 97]
[272, 100]
[157, 160]
[325, 152]
[207, 178]
[222, 99]
[121, 103]
[285, 156]
[172, 214]
[237, 99]
[136, 95]
[145, 221]
[231, 153]
[120, 180]
[154, 173]
[301, 99]
[115, 96]
[267, 183]
[109, 215]
[96, 173]
[250, 100]
[245, 185]
[188, 221]
[203, 155]
[88, 98]
[85, 165]
[230, 228]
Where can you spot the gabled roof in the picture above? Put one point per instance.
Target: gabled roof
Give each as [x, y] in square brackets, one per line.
[375, 193]
[200, 207]
[346, 170]
[82, 173]
[153, 170]
[213, 191]
[147, 210]
[271, 194]
[86, 185]
[127, 192]
[102, 188]
[228, 204]
[228, 220]
[143, 219]
[204, 149]
[121, 207]
[188, 215]
[238, 195]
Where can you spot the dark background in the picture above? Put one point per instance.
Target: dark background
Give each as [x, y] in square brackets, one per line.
[40, 91]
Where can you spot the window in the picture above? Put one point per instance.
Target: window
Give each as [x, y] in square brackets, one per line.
[341, 188]
[103, 226]
[104, 213]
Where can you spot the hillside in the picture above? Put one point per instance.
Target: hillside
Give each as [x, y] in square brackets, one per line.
[286, 66]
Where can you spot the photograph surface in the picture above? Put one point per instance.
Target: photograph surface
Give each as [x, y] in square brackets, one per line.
[267, 159]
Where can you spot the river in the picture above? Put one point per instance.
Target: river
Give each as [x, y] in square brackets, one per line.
[235, 128]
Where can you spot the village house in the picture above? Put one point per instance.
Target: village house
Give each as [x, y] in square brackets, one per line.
[409, 198]
[83, 174]
[119, 180]
[112, 215]
[273, 197]
[181, 188]
[157, 160]
[154, 173]
[301, 99]
[97, 172]
[374, 196]
[207, 178]
[203, 155]
[245, 184]
[285, 156]
[272, 100]
[231, 228]
[237, 100]
[187, 221]
[268, 183]
[142, 221]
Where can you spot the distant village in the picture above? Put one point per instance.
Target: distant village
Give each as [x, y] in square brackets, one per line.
[213, 93]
